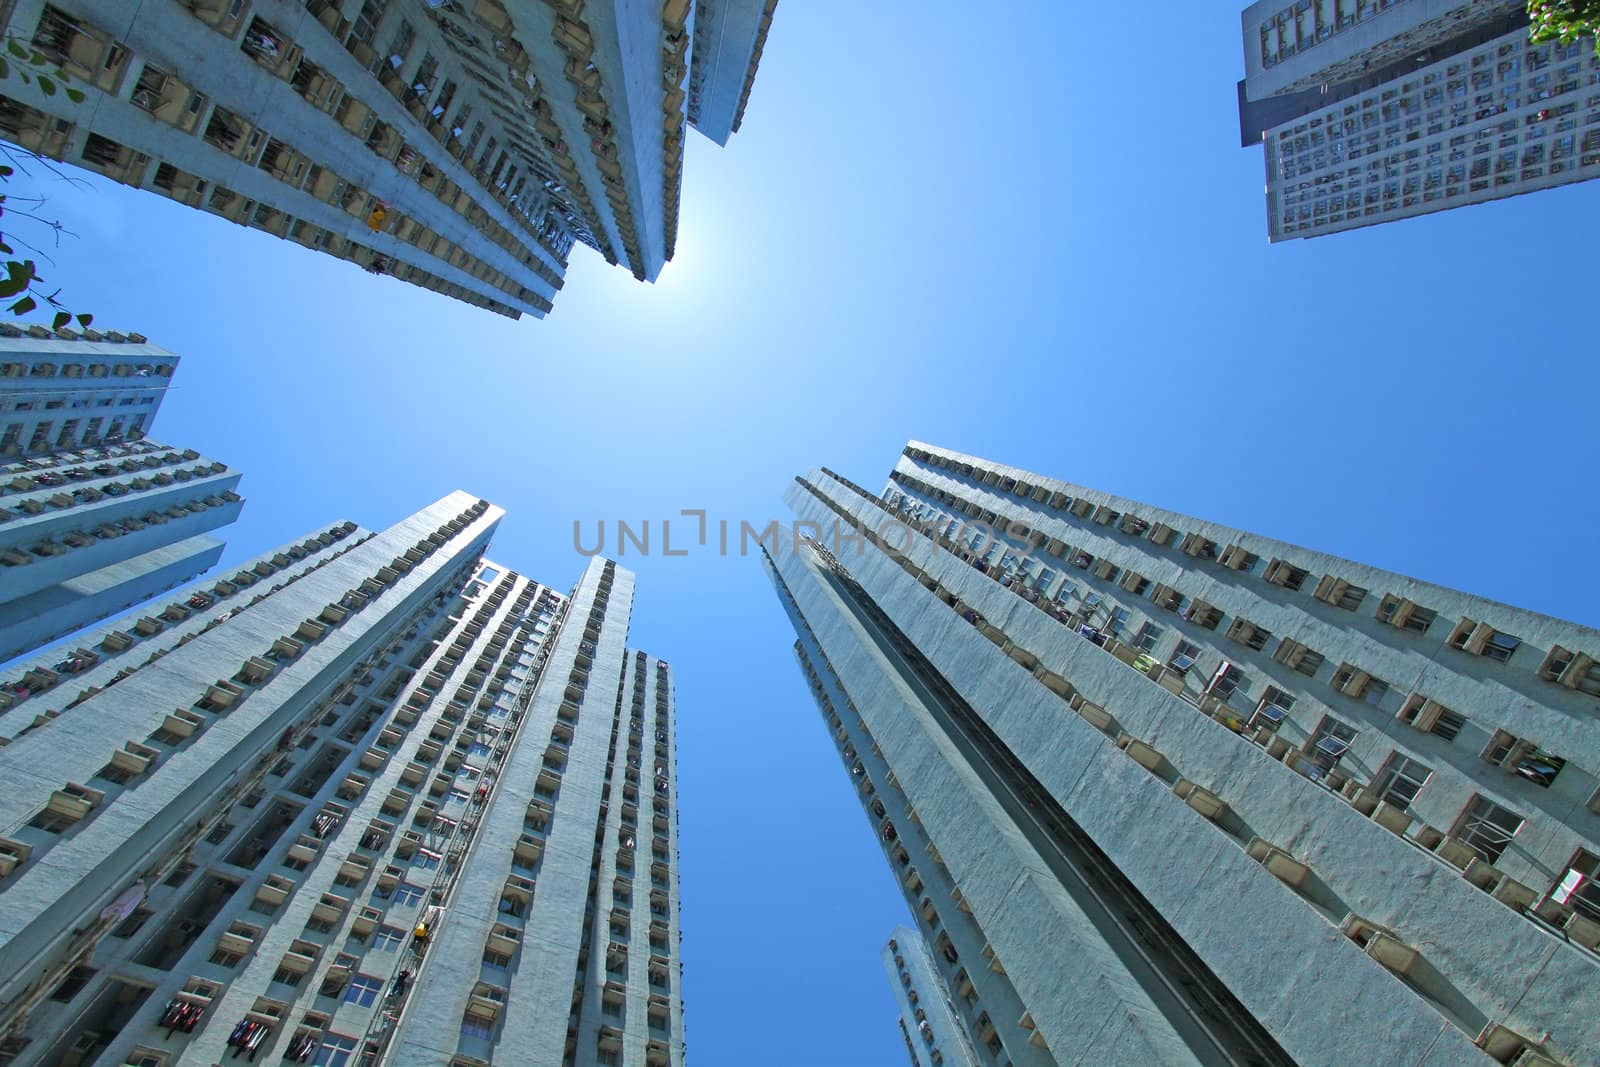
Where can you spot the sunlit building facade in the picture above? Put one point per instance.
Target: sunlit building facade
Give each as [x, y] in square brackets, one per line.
[460, 145]
[1158, 790]
[1372, 111]
[367, 799]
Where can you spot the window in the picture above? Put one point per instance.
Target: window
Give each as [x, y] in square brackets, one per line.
[1481, 639]
[1234, 557]
[1309, 662]
[1249, 634]
[1432, 717]
[1397, 611]
[425, 860]
[1278, 698]
[1523, 758]
[1579, 887]
[478, 1026]
[1165, 596]
[1226, 681]
[1298, 657]
[1448, 725]
[1571, 669]
[363, 990]
[366, 24]
[1400, 779]
[52, 822]
[1183, 657]
[1487, 828]
[1282, 572]
[1149, 633]
[1203, 614]
[406, 894]
[336, 1051]
[447, 94]
[1500, 646]
[1329, 744]
[400, 48]
[1340, 593]
[388, 938]
[1357, 684]
[422, 85]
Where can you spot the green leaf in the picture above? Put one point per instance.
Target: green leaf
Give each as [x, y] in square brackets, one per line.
[24, 76]
[38, 59]
[23, 306]
[5, 249]
[61, 319]
[5, 171]
[16, 49]
[18, 275]
[46, 86]
[85, 320]
[75, 95]
[5, 69]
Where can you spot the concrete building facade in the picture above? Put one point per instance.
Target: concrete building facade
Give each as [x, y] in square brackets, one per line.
[64, 390]
[929, 1020]
[94, 516]
[366, 808]
[1159, 790]
[460, 146]
[729, 36]
[1370, 111]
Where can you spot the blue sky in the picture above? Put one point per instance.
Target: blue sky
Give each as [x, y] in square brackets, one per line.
[1008, 229]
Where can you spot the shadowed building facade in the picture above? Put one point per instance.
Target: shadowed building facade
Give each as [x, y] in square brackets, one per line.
[460, 145]
[929, 1019]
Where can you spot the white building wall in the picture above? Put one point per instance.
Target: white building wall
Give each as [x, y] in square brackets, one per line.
[1505, 118]
[47, 378]
[179, 831]
[1489, 960]
[88, 531]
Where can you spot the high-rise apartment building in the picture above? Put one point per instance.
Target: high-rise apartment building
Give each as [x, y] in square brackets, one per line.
[69, 389]
[1375, 110]
[369, 799]
[460, 145]
[929, 1020]
[94, 516]
[1162, 791]
[729, 36]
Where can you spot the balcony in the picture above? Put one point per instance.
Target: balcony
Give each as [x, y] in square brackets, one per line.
[528, 850]
[273, 892]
